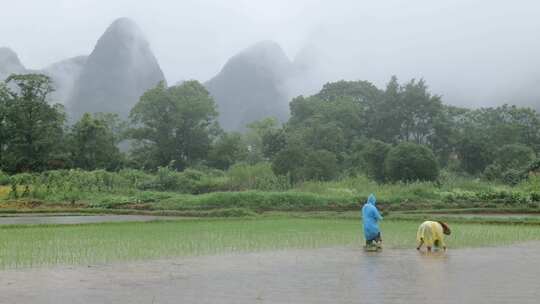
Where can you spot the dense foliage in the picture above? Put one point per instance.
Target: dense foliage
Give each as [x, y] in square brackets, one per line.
[31, 129]
[399, 133]
[173, 126]
[411, 162]
[94, 144]
[252, 188]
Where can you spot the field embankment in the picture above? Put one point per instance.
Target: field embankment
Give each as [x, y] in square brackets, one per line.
[246, 193]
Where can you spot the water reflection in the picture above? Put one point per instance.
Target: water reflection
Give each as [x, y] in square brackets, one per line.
[338, 275]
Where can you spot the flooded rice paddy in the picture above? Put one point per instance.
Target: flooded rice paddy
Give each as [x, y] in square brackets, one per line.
[331, 275]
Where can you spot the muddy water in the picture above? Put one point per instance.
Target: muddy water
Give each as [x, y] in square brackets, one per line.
[337, 275]
[490, 215]
[74, 219]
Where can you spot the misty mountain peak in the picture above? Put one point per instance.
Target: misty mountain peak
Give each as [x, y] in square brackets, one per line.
[267, 55]
[9, 63]
[8, 55]
[64, 75]
[251, 86]
[124, 31]
[118, 71]
[265, 49]
[123, 24]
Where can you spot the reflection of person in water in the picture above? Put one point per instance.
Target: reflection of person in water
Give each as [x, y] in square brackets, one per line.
[431, 234]
[370, 218]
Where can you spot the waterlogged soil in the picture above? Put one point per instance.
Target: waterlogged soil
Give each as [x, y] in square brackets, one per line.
[489, 215]
[75, 219]
[335, 275]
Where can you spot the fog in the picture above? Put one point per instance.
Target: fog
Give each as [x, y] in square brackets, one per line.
[474, 53]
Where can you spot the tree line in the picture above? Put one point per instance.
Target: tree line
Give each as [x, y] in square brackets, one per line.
[399, 133]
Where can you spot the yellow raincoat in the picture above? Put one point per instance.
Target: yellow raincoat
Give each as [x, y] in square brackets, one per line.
[431, 233]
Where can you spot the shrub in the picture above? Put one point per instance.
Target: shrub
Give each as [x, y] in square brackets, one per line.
[257, 177]
[289, 162]
[513, 177]
[261, 201]
[195, 182]
[227, 150]
[534, 167]
[511, 164]
[411, 162]
[374, 155]
[493, 172]
[514, 156]
[189, 181]
[474, 154]
[166, 179]
[531, 184]
[4, 178]
[320, 165]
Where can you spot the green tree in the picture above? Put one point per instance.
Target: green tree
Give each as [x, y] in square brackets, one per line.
[273, 142]
[505, 125]
[353, 104]
[228, 149]
[374, 155]
[419, 111]
[290, 162]
[510, 163]
[320, 165]
[332, 125]
[93, 143]
[446, 133]
[4, 102]
[254, 138]
[173, 126]
[515, 156]
[386, 117]
[32, 128]
[475, 154]
[411, 162]
[345, 112]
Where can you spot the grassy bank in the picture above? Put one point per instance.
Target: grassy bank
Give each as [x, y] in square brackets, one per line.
[33, 246]
[254, 191]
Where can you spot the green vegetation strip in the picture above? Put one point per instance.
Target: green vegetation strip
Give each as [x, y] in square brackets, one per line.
[35, 246]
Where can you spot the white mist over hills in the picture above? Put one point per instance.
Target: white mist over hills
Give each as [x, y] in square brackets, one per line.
[9, 63]
[473, 53]
[117, 72]
[253, 85]
[65, 75]
[256, 83]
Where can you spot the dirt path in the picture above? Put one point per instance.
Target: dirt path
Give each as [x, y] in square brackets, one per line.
[337, 275]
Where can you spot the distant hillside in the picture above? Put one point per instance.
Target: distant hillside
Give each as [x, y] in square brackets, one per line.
[118, 71]
[252, 85]
[9, 63]
[65, 74]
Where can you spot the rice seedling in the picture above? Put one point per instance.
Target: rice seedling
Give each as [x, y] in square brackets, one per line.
[35, 246]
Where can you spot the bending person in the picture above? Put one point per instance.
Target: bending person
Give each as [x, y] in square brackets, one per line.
[431, 234]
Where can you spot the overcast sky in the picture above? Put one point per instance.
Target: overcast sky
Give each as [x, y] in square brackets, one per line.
[471, 52]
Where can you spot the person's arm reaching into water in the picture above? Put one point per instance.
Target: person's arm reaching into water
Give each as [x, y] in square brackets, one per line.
[420, 245]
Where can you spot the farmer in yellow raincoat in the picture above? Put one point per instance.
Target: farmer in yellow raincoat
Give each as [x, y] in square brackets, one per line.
[431, 234]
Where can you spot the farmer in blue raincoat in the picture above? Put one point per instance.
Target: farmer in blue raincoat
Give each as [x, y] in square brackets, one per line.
[370, 218]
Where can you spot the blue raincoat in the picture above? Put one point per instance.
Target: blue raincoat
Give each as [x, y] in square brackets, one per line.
[370, 218]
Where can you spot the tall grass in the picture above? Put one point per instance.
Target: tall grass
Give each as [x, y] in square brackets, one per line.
[256, 187]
